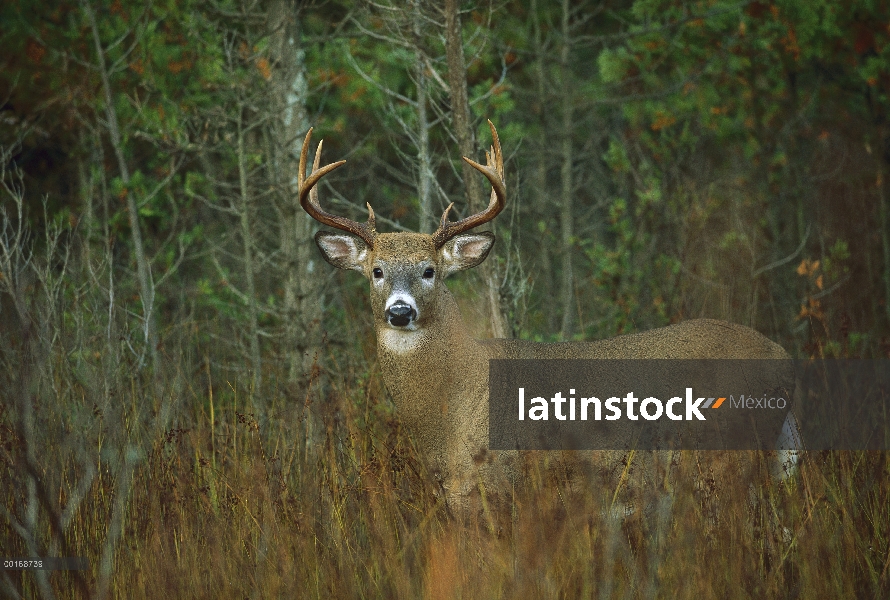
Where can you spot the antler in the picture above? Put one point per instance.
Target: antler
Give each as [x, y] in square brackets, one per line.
[494, 171]
[309, 197]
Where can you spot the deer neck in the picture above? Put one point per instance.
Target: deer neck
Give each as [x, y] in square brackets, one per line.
[431, 372]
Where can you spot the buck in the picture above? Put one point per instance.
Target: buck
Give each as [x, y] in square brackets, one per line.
[436, 372]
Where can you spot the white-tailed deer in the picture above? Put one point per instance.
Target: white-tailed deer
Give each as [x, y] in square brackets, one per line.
[435, 370]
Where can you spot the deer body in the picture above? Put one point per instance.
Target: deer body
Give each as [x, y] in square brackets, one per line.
[440, 386]
[437, 372]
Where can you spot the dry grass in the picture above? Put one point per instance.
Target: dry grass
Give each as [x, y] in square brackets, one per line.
[224, 511]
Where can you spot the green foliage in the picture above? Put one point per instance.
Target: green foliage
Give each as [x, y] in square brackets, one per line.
[614, 64]
[716, 118]
[728, 160]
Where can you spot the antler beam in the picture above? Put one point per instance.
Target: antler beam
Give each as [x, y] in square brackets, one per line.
[309, 196]
[494, 172]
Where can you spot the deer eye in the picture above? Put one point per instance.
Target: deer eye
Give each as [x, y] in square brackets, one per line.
[428, 274]
[378, 272]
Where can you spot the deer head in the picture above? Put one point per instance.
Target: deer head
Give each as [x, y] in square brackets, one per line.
[406, 270]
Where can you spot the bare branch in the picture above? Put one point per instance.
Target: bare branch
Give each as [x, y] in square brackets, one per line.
[494, 87]
[786, 260]
[341, 200]
[379, 86]
[384, 38]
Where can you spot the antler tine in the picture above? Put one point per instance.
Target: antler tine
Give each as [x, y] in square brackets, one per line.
[309, 196]
[494, 172]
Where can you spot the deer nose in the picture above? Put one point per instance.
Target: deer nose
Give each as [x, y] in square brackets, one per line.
[400, 315]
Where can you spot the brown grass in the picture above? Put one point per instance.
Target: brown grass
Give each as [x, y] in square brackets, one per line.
[224, 511]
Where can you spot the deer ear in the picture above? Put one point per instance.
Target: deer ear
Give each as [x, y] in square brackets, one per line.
[466, 251]
[342, 251]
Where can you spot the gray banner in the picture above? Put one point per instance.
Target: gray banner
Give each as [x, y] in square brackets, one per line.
[844, 404]
[688, 404]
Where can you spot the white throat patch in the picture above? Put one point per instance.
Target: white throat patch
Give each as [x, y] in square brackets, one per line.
[399, 341]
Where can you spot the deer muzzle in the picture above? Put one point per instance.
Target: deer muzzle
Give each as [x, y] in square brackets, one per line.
[400, 315]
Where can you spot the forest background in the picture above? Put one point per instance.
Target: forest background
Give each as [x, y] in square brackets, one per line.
[161, 293]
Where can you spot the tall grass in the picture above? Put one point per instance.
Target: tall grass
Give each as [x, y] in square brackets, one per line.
[218, 509]
[171, 489]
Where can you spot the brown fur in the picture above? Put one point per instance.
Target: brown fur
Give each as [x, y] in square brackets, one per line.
[438, 374]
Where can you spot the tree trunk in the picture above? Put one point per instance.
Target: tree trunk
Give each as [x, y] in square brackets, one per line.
[424, 174]
[541, 198]
[250, 279]
[143, 268]
[302, 287]
[567, 291]
[463, 129]
[884, 216]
